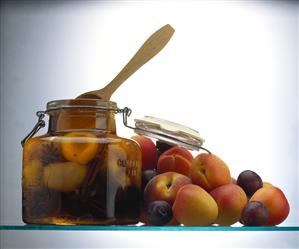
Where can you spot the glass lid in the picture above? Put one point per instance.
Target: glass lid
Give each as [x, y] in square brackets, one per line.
[169, 132]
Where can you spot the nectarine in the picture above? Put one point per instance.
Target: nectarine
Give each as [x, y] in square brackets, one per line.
[148, 151]
[194, 206]
[209, 171]
[176, 159]
[276, 202]
[231, 199]
[164, 187]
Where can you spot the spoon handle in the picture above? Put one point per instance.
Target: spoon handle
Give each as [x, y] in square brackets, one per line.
[152, 46]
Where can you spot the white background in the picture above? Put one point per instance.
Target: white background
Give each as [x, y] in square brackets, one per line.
[229, 71]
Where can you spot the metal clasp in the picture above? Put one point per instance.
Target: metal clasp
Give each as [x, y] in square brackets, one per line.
[40, 124]
[126, 112]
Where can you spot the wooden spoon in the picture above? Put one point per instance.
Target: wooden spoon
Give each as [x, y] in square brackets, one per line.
[152, 46]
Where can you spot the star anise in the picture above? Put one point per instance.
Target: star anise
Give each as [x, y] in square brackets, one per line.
[50, 154]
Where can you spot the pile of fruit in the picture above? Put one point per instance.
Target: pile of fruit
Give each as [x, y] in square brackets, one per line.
[181, 190]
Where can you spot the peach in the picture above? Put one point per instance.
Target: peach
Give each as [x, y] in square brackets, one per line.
[194, 206]
[209, 171]
[176, 159]
[65, 177]
[148, 151]
[80, 147]
[231, 199]
[276, 202]
[164, 187]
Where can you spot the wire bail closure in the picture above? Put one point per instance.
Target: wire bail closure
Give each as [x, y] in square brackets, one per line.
[126, 112]
[40, 124]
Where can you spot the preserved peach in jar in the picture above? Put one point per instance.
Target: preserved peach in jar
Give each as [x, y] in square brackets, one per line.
[80, 172]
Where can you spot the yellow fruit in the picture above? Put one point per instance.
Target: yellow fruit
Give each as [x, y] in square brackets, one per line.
[194, 206]
[231, 200]
[275, 201]
[79, 147]
[65, 177]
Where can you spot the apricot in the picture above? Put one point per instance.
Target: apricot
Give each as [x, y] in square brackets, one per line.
[193, 206]
[79, 147]
[230, 199]
[65, 177]
[275, 201]
[148, 151]
[164, 187]
[209, 171]
[176, 159]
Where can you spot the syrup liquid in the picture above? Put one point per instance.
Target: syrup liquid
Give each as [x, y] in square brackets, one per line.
[81, 178]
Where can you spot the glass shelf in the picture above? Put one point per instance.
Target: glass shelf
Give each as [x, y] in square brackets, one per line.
[148, 228]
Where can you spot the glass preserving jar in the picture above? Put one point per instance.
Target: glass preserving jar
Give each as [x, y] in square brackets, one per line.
[80, 171]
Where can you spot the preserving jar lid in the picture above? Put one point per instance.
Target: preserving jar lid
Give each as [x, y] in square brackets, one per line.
[56, 105]
[81, 103]
[169, 132]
